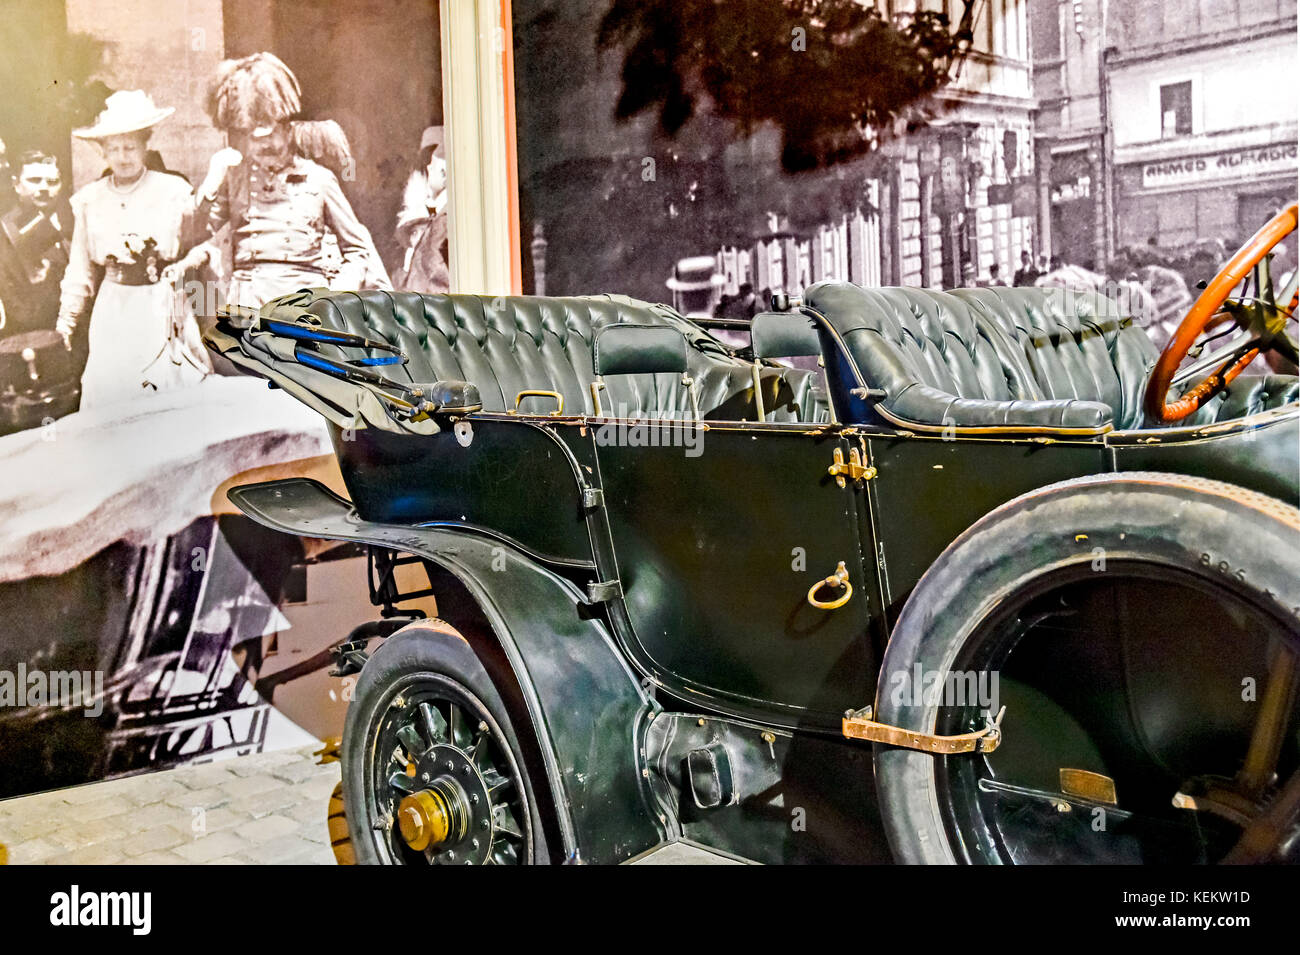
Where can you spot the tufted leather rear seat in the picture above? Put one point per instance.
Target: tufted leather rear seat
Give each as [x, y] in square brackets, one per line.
[508, 344]
[1031, 358]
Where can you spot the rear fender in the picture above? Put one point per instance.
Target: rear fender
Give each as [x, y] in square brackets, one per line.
[586, 705]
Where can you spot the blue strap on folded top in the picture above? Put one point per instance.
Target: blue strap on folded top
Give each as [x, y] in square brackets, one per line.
[307, 333]
[324, 336]
[320, 364]
[346, 369]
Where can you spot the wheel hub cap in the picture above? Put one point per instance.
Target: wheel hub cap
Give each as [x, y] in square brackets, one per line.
[432, 816]
[451, 818]
[446, 790]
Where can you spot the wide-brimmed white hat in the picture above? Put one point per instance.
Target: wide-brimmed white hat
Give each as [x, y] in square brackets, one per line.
[126, 111]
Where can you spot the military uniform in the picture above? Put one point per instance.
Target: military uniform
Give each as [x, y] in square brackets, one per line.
[278, 221]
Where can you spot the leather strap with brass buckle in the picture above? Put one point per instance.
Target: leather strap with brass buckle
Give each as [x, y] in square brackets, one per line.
[858, 724]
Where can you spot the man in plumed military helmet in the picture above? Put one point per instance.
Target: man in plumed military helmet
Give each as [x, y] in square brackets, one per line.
[274, 194]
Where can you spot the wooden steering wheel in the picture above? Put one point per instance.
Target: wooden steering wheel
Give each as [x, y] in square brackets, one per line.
[1261, 317]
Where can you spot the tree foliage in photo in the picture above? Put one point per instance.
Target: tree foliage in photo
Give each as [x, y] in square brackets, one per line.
[828, 74]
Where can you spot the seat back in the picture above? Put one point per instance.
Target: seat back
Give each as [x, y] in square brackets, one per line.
[1077, 344]
[505, 345]
[784, 335]
[626, 349]
[1015, 358]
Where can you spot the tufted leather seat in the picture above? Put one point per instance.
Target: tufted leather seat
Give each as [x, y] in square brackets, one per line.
[1026, 358]
[508, 344]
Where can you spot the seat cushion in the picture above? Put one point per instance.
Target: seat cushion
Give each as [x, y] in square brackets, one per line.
[508, 344]
[1248, 395]
[1076, 343]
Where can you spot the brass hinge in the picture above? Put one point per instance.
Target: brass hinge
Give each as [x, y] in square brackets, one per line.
[856, 469]
[858, 724]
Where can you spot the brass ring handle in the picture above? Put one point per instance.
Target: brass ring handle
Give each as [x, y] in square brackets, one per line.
[559, 400]
[838, 579]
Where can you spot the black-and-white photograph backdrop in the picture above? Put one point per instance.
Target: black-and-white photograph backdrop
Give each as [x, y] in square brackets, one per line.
[158, 159]
[711, 154]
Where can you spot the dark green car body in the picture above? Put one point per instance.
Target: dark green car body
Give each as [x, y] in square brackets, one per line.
[651, 588]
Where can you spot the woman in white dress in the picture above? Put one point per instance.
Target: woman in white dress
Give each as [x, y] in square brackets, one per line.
[128, 227]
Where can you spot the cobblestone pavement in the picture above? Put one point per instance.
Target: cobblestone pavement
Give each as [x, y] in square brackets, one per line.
[269, 808]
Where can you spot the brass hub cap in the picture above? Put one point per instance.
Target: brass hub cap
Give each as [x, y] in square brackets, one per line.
[428, 818]
[446, 788]
[450, 819]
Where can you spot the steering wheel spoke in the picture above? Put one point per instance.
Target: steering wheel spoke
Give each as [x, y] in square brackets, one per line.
[1197, 350]
[1258, 314]
[1217, 361]
[1287, 295]
[1212, 384]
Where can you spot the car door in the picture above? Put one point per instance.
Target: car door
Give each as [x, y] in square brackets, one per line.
[718, 535]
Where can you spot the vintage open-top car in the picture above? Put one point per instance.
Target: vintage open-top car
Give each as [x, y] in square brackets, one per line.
[987, 581]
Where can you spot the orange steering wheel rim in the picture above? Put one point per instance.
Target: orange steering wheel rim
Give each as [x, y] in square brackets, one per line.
[1158, 407]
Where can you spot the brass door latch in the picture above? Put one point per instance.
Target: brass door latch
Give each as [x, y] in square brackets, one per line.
[858, 724]
[856, 469]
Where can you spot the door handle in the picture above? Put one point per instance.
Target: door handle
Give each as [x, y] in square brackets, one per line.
[839, 579]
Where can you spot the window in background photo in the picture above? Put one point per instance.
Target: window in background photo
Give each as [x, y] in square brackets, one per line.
[1176, 109]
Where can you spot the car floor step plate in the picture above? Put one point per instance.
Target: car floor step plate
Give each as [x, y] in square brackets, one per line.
[685, 853]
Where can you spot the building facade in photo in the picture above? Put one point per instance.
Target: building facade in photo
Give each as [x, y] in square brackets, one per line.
[1203, 104]
[1070, 145]
[937, 206]
[947, 201]
[1161, 125]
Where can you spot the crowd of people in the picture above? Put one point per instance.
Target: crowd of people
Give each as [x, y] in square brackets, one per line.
[110, 267]
[1028, 274]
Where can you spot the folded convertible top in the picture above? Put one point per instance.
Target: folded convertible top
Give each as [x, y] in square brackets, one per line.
[288, 345]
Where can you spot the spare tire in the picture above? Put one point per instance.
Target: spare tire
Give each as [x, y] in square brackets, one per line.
[1129, 611]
